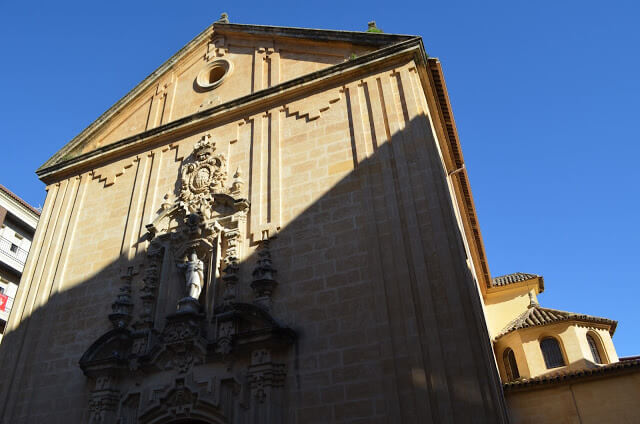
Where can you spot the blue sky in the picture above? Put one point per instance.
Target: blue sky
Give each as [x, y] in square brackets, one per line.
[545, 96]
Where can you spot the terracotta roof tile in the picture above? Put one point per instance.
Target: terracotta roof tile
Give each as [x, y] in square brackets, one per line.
[516, 277]
[563, 376]
[537, 316]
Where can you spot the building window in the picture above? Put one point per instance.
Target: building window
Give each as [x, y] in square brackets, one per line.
[595, 352]
[14, 248]
[510, 364]
[551, 352]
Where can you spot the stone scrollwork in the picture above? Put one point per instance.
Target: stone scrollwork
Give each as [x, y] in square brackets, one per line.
[205, 176]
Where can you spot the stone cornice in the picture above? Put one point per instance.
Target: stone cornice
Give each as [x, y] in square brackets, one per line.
[455, 167]
[380, 59]
[353, 37]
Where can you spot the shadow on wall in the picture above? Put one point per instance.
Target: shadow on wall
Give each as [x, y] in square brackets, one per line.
[373, 279]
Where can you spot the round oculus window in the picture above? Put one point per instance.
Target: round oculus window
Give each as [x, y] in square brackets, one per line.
[213, 74]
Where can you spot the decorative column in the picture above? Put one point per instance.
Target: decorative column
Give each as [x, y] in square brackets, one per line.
[123, 306]
[264, 275]
[103, 400]
[230, 277]
[150, 279]
[265, 379]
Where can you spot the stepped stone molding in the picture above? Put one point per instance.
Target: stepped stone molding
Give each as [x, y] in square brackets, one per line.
[300, 109]
[109, 174]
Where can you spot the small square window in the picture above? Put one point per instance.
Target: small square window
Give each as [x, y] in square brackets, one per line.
[14, 248]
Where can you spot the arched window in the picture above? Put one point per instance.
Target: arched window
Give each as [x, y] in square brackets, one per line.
[551, 352]
[510, 364]
[595, 352]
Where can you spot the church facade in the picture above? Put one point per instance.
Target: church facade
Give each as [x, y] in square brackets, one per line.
[275, 226]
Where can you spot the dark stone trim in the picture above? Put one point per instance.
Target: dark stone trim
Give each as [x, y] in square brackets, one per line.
[354, 37]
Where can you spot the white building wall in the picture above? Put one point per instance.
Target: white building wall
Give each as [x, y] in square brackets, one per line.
[16, 233]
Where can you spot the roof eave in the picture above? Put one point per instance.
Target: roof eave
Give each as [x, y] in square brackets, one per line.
[606, 323]
[455, 167]
[20, 203]
[605, 371]
[539, 280]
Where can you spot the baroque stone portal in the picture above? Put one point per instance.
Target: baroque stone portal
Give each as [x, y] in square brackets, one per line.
[179, 350]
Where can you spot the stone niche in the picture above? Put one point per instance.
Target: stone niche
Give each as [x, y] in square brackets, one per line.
[185, 346]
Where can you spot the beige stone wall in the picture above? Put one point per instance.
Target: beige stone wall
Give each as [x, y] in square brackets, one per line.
[603, 340]
[602, 400]
[503, 305]
[372, 269]
[573, 343]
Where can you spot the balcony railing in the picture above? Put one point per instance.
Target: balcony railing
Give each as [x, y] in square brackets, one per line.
[13, 251]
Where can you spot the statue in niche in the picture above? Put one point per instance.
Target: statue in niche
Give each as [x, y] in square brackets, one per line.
[194, 275]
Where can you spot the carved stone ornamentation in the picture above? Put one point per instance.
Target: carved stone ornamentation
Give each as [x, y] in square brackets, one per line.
[226, 331]
[101, 405]
[202, 178]
[264, 276]
[150, 284]
[103, 400]
[182, 328]
[264, 375]
[207, 215]
[231, 269]
[238, 182]
[180, 400]
[123, 306]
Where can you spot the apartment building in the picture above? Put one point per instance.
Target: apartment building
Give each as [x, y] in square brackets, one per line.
[18, 222]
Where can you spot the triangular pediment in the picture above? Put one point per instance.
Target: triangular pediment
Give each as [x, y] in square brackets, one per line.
[223, 63]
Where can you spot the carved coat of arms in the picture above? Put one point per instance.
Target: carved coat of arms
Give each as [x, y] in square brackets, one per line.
[202, 178]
